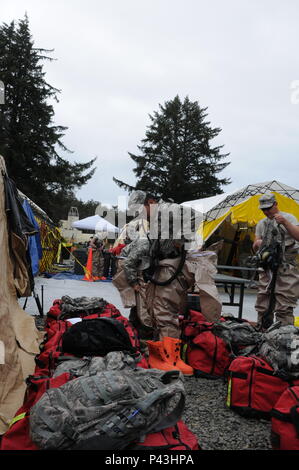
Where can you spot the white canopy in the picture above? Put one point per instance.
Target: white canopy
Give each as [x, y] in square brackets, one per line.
[95, 222]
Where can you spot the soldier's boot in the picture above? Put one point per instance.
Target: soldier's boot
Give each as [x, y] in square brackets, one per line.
[261, 326]
[172, 348]
[286, 317]
[157, 358]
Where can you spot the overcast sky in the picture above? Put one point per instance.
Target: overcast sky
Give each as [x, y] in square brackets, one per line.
[117, 60]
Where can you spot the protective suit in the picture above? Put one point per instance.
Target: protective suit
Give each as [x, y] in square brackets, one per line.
[159, 306]
[287, 281]
[158, 265]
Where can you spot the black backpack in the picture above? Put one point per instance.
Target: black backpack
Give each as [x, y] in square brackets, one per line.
[96, 337]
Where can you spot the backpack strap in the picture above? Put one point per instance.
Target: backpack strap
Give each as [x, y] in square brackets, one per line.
[121, 425]
[291, 417]
[173, 417]
[143, 405]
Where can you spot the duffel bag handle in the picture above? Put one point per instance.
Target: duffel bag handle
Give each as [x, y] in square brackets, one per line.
[295, 417]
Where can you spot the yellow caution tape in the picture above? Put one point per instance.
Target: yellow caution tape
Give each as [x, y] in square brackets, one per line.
[58, 253]
[65, 245]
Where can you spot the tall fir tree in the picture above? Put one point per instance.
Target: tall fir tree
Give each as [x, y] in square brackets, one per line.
[177, 160]
[29, 140]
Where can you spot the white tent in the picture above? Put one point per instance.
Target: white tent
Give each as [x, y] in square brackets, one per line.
[206, 204]
[95, 222]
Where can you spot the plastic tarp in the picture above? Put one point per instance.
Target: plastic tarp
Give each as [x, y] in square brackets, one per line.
[96, 223]
[19, 338]
[34, 242]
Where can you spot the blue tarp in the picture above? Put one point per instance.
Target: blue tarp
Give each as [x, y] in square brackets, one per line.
[69, 275]
[34, 242]
[66, 275]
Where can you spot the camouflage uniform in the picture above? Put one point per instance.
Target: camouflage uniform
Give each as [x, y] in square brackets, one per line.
[158, 307]
[161, 305]
[97, 258]
[287, 282]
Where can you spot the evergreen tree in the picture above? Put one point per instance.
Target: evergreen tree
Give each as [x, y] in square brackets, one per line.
[29, 140]
[177, 159]
[85, 208]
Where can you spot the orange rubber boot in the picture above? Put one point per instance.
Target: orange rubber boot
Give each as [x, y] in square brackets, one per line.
[157, 358]
[172, 347]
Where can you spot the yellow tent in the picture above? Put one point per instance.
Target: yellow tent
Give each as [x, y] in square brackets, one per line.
[227, 215]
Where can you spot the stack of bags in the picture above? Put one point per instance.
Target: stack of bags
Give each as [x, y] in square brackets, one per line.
[92, 388]
[262, 370]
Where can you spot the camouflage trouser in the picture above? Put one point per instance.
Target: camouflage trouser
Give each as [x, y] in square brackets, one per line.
[286, 294]
[164, 303]
[158, 307]
[141, 303]
[97, 263]
[137, 301]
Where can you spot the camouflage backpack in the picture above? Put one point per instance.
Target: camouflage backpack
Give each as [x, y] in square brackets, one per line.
[280, 348]
[109, 410]
[238, 335]
[89, 365]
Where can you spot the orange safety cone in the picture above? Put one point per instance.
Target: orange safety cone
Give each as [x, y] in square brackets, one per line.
[88, 270]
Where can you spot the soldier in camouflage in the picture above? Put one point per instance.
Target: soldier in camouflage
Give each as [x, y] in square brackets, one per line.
[155, 267]
[96, 245]
[285, 228]
[137, 229]
[171, 231]
[158, 305]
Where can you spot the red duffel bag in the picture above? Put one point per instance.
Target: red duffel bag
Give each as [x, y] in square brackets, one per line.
[253, 388]
[208, 354]
[285, 421]
[17, 437]
[177, 437]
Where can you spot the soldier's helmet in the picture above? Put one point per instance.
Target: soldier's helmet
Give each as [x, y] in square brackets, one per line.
[137, 198]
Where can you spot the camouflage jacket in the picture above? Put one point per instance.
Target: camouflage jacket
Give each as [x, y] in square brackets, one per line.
[138, 256]
[170, 223]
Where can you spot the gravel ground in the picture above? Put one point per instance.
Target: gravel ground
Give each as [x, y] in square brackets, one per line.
[207, 416]
[216, 426]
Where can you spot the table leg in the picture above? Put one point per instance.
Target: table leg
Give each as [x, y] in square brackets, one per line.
[241, 301]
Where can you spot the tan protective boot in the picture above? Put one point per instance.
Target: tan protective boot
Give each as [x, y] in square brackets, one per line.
[157, 358]
[172, 348]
